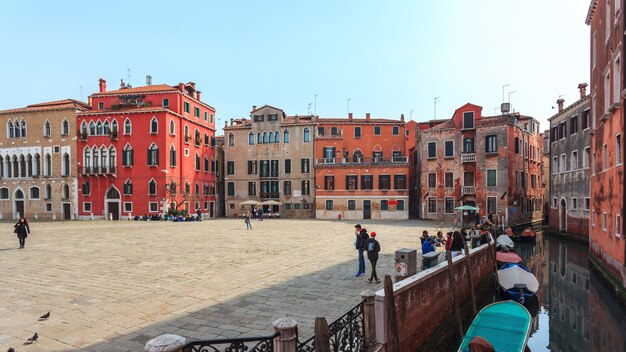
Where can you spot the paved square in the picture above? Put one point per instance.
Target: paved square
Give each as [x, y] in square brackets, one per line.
[111, 286]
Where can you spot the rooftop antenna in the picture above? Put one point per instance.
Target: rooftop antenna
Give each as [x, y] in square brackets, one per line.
[436, 100]
[315, 105]
[309, 109]
[148, 80]
[504, 86]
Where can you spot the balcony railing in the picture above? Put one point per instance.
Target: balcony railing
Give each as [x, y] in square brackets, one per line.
[113, 135]
[97, 170]
[468, 158]
[269, 195]
[468, 190]
[329, 133]
[368, 160]
[83, 136]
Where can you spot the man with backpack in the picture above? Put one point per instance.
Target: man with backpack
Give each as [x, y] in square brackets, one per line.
[373, 247]
[359, 243]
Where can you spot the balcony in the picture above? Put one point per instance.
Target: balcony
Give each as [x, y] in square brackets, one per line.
[468, 190]
[468, 157]
[394, 160]
[274, 195]
[97, 170]
[113, 135]
[329, 133]
[83, 136]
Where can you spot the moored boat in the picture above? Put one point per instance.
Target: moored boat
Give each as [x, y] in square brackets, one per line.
[507, 257]
[504, 325]
[517, 282]
[504, 243]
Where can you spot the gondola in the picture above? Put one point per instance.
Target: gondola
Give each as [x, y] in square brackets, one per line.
[517, 282]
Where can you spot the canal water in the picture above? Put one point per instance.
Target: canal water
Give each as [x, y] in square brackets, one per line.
[576, 312]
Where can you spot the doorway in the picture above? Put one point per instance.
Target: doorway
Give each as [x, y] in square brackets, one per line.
[19, 204]
[211, 209]
[113, 204]
[367, 209]
[67, 211]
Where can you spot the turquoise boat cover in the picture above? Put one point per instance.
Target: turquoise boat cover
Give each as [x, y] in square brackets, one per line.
[506, 325]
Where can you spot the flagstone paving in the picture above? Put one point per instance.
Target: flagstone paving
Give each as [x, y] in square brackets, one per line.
[111, 286]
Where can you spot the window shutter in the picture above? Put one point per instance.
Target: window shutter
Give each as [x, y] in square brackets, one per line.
[156, 157]
[124, 158]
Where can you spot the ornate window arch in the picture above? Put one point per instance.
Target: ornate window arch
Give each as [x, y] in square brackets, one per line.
[99, 128]
[265, 138]
[47, 129]
[154, 125]
[172, 127]
[152, 187]
[307, 135]
[231, 139]
[250, 138]
[128, 126]
[286, 136]
[65, 127]
[277, 137]
[172, 155]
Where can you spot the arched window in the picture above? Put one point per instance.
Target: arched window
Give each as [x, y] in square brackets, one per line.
[16, 166]
[231, 140]
[271, 139]
[86, 188]
[187, 187]
[95, 159]
[173, 188]
[127, 155]
[307, 135]
[4, 193]
[34, 192]
[46, 128]
[152, 187]
[8, 166]
[65, 165]
[107, 127]
[172, 156]
[65, 128]
[128, 126]
[17, 130]
[128, 188]
[172, 128]
[92, 128]
[286, 136]
[83, 127]
[153, 155]
[49, 191]
[197, 138]
[265, 138]
[277, 137]
[23, 128]
[29, 165]
[87, 159]
[197, 189]
[48, 165]
[197, 161]
[206, 163]
[37, 170]
[114, 128]
[154, 126]
[66, 191]
[112, 161]
[187, 137]
[19, 194]
[516, 145]
[250, 138]
[99, 128]
[259, 138]
[358, 156]
[22, 166]
[104, 158]
[10, 132]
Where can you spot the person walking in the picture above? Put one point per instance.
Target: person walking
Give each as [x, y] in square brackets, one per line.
[373, 247]
[247, 221]
[22, 230]
[361, 239]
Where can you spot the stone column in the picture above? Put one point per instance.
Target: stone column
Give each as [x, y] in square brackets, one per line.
[165, 343]
[288, 338]
[369, 317]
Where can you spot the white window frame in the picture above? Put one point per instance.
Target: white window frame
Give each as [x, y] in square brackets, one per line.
[586, 157]
[131, 126]
[487, 177]
[444, 149]
[574, 160]
[563, 163]
[586, 208]
[428, 150]
[172, 128]
[428, 180]
[617, 62]
[150, 204]
[124, 207]
[85, 207]
[555, 165]
[154, 119]
[445, 199]
[428, 205]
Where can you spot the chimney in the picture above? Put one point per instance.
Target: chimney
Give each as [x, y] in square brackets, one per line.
[148, 80]
[103, 85]
[560, 102]
[198, 93]
[402, 117]
[349, 116]
[122, 85]
[226, 123]
[253, 107]
[181, 87]
[231, 121]
[583, 90]
[367, 116]
[505, 108]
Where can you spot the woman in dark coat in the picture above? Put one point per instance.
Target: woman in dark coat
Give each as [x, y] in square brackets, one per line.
[22, 230]
[456, 247]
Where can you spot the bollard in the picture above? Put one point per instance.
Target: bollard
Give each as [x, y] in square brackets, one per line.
[288, 338]
[165, 343]
[369, 317]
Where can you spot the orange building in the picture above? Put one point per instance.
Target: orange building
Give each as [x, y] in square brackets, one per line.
[606, 234]
[361, 169]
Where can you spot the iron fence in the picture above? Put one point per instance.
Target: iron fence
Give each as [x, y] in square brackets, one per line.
[246, 344]
[347, 333]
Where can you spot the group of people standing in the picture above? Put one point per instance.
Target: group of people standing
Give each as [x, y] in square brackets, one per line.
[367, 243]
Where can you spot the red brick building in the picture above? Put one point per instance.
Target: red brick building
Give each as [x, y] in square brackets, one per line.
[606, 19]
[361, 168]
[145, 150]
[490, 162]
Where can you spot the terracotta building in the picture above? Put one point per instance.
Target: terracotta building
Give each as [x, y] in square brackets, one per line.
[37, 158]
[361, 168]
[146, 150]
[570, 155]
[607, 245]
[269, 157]
[489, 162]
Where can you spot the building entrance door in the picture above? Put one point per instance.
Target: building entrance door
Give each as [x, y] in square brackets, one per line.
[367, 209]
[113, 204]
[211, 209]
[19, 204]
[67, 211]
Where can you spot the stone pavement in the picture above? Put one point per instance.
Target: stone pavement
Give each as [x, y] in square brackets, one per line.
[111, 286]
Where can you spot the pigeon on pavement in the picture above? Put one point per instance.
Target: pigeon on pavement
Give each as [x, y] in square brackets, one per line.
[45, 316]
[34, 338]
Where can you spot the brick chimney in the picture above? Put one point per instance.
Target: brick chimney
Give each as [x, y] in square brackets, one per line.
[103, 85]
[198, 93]
[349, 116]
[560, 102]
[583, 90]
[402, 117]
[181, 87]
[253, 107]
[367, 116]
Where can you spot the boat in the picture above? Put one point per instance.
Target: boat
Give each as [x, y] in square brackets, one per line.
[504, 243]
[504, 325]
[517, 282]
[508, 257]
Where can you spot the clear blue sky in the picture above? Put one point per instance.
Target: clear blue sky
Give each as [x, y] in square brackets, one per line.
[389, 57]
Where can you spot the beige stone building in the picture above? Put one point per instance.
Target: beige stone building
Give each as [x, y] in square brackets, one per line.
[38, 160]
[270, 156]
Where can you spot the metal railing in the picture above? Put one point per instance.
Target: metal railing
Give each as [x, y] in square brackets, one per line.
[364, 160]
[246, 344]
[468, 190]
[97, 170]
[468, 158]
[347, 333]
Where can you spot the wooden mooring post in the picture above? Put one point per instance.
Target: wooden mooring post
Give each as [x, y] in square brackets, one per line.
[322, 335]
[468, 268]
[390, 312]
[455, 301]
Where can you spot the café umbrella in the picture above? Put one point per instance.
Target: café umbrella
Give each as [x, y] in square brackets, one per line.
[467, 207]
[249, 202]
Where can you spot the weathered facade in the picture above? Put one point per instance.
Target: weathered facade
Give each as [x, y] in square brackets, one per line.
[270, 157]
[545, 174]
[37, 161]
[493, 163]
[607, 244]
[361, 168]
[570, 155]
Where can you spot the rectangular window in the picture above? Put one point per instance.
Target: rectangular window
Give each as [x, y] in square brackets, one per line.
[128, 207]
[607, 91]
[574, 160]
[252, 167]
[384, 205]
[384, 182]
[432, 180]
[573, 125]
[618, 226]
[128, 188]
[616, 78]
[287, 188]
[230, 189]
[153, 207]
[399, 182]
[468, 120]
[272, 117]
[586, 157]
[352, 182]
[357, 132]
[287, 166]
[196, 111]
[593, 164]
[449, 149]
[304, 166]
[449, 179]
[604, 222]
[563, 163]
[296, 206]
[288, 206]
[376, 130]
[585, 121]
[468, 145]
[574, 203]
[166, 103]
[329, 205]
[258, 118]
[449, 205]
[432, 205]
[400, 204]
[554, 204]
[618, 149]
[252, 188]
[432, 150]
[186, 107]
[555, 165]
[468, 179]
[206, 116]
[329, 182]
[605, 157]
[86, 206]
[491, 205]
[587, 203]
[395, 130]
[491, 178]
[491, 143]
[351, 204]
[306, 187]
[367, 182]
[230, 167]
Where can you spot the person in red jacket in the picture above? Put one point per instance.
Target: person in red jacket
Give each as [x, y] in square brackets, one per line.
[373, 247]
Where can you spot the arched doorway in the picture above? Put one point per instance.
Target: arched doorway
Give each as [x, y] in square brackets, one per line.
[112, 206]
[18, 204]
[563, 216]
